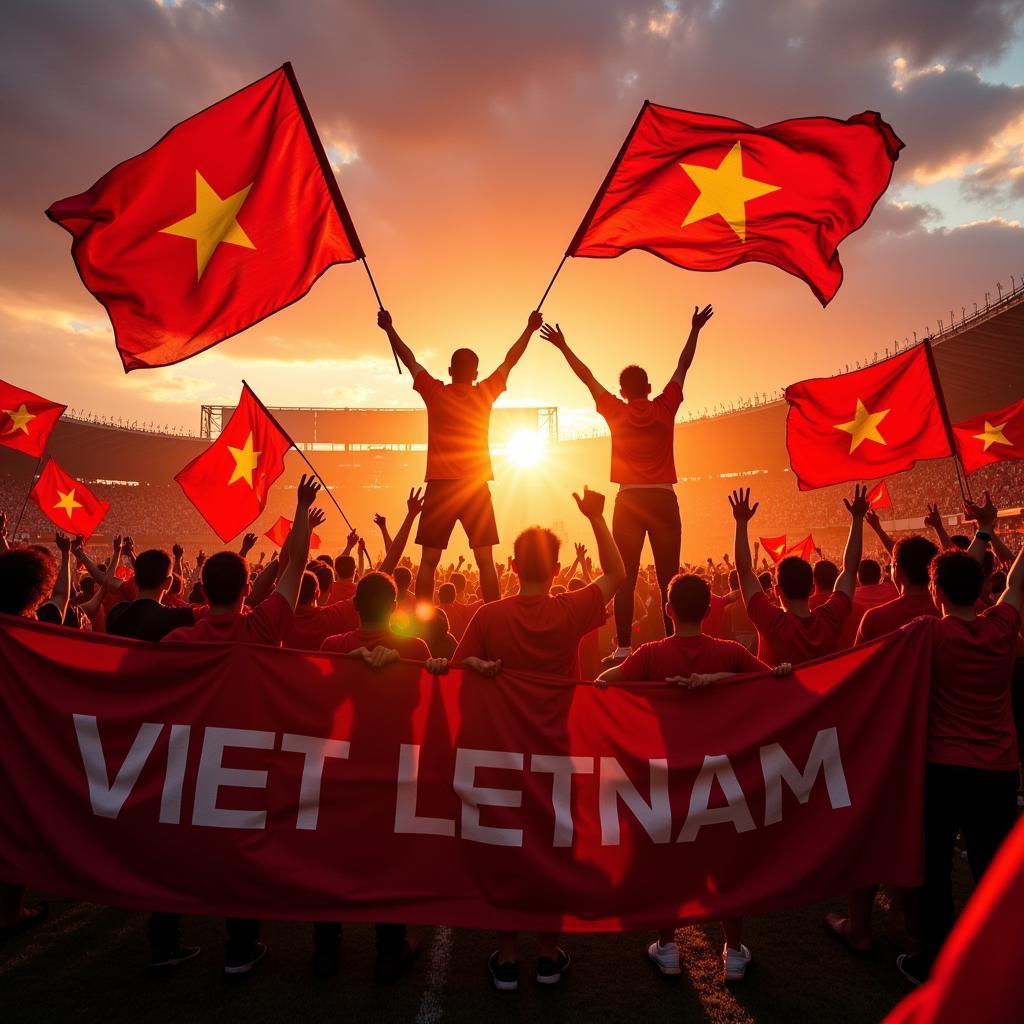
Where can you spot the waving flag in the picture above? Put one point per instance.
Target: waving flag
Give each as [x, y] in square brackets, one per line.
[991, 437]
[868, 423]
[67, 502]
[775, 546]
[230, 481]
[802, 549]
[230, 217]
[878, 496]
[26, 420]
[278, 534]
[707, 193]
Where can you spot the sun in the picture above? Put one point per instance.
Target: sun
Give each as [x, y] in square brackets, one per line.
[526, 448]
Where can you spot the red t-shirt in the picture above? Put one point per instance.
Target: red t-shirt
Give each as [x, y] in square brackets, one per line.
[818, 598]
[342, 590]
[864, 598]
[715, 620]
[458, 422]
[970, 718]
[458, 617]
[783, 636]
[885, 618]
[313, 626]
[538, 633]
[268, 623]
[684, 655]
[642, 436]
[411, 647]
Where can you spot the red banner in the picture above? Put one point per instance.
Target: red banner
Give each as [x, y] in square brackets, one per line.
[255, 781]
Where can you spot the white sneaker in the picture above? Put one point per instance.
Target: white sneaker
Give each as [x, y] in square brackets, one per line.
[666, 957]
[736, 962]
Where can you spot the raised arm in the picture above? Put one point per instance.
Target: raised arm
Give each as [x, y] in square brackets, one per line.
[401, 349]
[298, 540]
[847, 582]
[62, 585]
[985, 516]
[743, 512]
[580, 368]
[515, 353]
[414, 505]
[934, 520]
[613, 572]
[700, 318]
[1013, 592]
[871, 518]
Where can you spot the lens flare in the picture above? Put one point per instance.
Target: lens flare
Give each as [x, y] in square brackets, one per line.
[525, 448]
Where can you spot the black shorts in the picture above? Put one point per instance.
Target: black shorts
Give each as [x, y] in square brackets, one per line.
[448, 502]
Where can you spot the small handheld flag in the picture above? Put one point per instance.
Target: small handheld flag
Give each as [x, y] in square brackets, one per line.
[878, 496]
[67, 502]
[278, 534]
[26, 419]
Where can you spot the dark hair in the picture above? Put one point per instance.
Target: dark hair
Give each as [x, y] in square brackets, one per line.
[197, 595]
[324, 575]
[26, 579]
[326, 559]
[958, 540]
[536, 554]
[402, 577]
[689, 597]
[309, 586]
[225, 576]
[958, 576]
[446, 594]
[458, 581]
[796, 580]
[464, 365]
[375, 598]
[869, 572]
[825, 574]
[734, 580]
[152, 567]
[765, 579]
[576, 584]
[633, 382]
[998, 582]
[345, 567]
[913, 555]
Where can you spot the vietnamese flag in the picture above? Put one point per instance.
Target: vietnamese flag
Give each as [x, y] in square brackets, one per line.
[67, 502]
[878, 496]
[869, 423]
[991, 437]
[707, 193]
[26, 420]
[278, 534]
[775, 546]
[230, 217]
[230, 481]
[802, 549]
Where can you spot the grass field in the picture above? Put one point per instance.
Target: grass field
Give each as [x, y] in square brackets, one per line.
[87, 963]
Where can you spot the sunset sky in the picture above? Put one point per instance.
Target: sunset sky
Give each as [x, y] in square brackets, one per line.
[468, 139]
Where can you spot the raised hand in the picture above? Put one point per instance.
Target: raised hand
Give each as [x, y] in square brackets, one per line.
[581, 553]
[414, 503]
[118, 545]
[63, 542]
[384, 320]
[859, 506]
[316, 517]
[308, 489]
[201, 557]
[984, 515]
[380, 521]
[701, 317]
[871, 518]
[591, 504]
[260, 560]
[248, 543]
[353, 538]
[740, 503]
[129, 546]
[177, 550]
[77, 545]
[535, 319]
[553, 335]
[933, 520]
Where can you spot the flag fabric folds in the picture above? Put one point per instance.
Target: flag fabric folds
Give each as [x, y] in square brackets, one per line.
[991, 437]
[278, 534]
[869, 423]
[67, 502]
[26, 419]
[230, 217]
[878, 496]
[230, 481]
[802, 549]
[775, 547]
[708, 193]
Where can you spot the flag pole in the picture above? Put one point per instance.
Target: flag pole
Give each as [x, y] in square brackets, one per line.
[954, 451]
[380, 305]
[28, 494]
[552, 281]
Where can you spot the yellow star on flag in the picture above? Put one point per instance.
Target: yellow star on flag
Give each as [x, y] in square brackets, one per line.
[246, 461]
[864, 426]
[213, 222]
[779, 549]
[991, 435]
[67, 502]
[21, 418]
[724, 190]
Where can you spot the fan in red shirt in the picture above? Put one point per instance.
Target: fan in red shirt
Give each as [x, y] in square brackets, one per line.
[794, 633]
[911, 558]
[825, 573]
[536, 632]
[458, 455]
[872, 591]
[314, 622]
[344, 586]
[643, 466]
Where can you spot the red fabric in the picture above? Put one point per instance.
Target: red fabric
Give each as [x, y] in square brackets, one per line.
[783, 636]
[827, 174]
[801, 549]
[248, 723]
[775, 547]
[342, 590]
[458, 617]
[642, 436]
[865, 598]
[970, 717]
[715, 619]
[278, 534]
[313, 626]
[878, 496]
[67, 502]
[458, 422]
[1001, 437]
[26, 419]
[226, 484]
[884, 618]
[684, 655]
[165, 302]
[539, 633]
[818, 598]
[411, 647]
[269, 622]
[911, 428]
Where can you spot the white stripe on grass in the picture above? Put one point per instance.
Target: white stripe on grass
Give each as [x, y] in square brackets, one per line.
[431, 1011]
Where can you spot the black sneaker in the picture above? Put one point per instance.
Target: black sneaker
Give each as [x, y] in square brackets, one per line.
[325, 961]
[549, 972]
[239, 964]
[390, 968]
[915, 967]
[505, 976]
[167, 960]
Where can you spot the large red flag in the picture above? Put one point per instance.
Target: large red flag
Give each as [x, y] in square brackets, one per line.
[278, 534]
[231, 216]
[991, 437]
[775, 546]
[67, 502]
[26, 419]
[878, 496]
[868, 423]
[230, 481]
[801, 549]
[707, 192]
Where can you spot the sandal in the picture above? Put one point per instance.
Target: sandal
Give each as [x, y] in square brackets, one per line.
[838, 927]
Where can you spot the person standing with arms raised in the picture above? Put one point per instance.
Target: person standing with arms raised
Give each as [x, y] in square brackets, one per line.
[643, 465]
[458, 455]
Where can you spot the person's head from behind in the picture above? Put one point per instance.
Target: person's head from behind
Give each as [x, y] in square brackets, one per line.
[956, 579]
[912, 557]
[796, 579]
[765, 580]
[26, 580]
[375, 599]
[633, 383]
[446, 594]
[153, 570]
[689, 599]
[734, 581]
[535, 556]
[825, 574]
[458, 581]
[226, 579]
[325, 579]
[960, 541]
[464, 366]
[344, 567]
[576, 584]
[403, 579]
[869, 572]
[309, 589]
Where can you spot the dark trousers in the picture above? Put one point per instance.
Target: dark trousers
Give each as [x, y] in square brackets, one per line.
[980, 804]
[165, 934]
[646, 512]
[390, 938]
